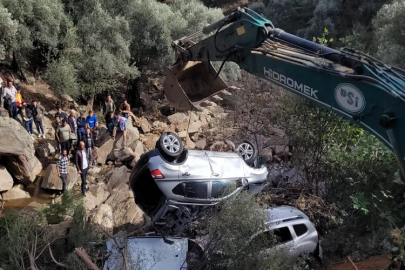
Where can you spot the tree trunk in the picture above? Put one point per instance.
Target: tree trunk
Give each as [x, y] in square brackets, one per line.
[90, 103]
[85, 258]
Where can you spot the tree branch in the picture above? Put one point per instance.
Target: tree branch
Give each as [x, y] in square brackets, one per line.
[81, 253]
[55, 261]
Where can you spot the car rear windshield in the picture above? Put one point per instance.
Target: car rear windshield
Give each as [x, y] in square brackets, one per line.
[300, 229]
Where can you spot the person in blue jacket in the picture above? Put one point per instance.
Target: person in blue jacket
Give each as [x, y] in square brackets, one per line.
[92, 124]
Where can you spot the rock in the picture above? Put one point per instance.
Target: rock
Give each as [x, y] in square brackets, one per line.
[155, 124]
[150, 140]
[189, 143]
[15, 193]
[138, 150]
[218, 145]
[118, 177]
[46, 149]
[215, 110]
[18, 150]
[100, 192]
[145, 125]
[221, 115]
[103, 215]
[30, 80]
[208, 103]
[177, 118]
[6, 181]
[94, 170]
[124, 208]
[279, 150]
[124, 154]
[201, 144]
[182, 134]
[276, 131]
[53, 181]
[194, 127]
[103, 151]
[48, 129]
[193, 117]
[231, 145]
[131, 136]
[268, 153]
[33, 207]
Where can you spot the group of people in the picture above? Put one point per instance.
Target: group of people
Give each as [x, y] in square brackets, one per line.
[71, 132]
[85, 131]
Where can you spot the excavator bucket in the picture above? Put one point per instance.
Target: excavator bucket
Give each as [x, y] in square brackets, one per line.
[186, 87]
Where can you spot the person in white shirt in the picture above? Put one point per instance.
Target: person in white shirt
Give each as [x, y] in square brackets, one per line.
[11, 93]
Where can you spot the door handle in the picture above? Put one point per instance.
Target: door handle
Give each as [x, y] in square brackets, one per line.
[215, 174]
[186, 174]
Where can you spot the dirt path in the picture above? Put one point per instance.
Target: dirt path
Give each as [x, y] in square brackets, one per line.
[373, 263]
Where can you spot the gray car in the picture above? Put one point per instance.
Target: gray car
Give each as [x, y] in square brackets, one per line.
[172, 184]
[296, 237]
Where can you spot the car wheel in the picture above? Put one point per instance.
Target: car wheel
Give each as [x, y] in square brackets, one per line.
[247, 150]
[170, 144]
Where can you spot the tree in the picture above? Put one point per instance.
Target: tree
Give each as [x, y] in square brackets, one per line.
[391, 44]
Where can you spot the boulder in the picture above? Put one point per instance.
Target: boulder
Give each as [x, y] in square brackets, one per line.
[94, 170]
[177, 118]
[138, 150]
[103, 215]
[33, 207]
[144, 124]
[119, 176]
[189, 143]
[201, 144]
[215, 109]
[103, 151]
[149, 140]
[15, 193]
[6, 181]
[48, 129]
[194, 127]
[124, 208]
[99, 192]
[182, 134]
[53, 181]
[132, 135]
[46, 149]
[18, 148]
[124, 154]
[193, 117]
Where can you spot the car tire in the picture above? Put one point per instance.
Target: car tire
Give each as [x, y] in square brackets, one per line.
[170, 145]
[247, 150]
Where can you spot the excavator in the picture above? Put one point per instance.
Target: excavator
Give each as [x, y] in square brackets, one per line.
[356, 86]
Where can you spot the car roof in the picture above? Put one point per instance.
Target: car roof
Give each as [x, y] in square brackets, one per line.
[283, 214]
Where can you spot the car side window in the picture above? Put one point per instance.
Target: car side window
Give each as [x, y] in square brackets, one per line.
[282, 235]
[196, 190]
[300, 229]
[222, 188]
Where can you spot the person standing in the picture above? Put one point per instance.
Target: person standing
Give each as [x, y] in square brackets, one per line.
[109, 106]
[1, 91]
[122, 124]
[38, 112]
[125, 108]
[19, 100]
[92, 123]
[111, 124]
[26, 115]
[56, 124]
[89, 143]
[81, 127]
[10, 93]
[82, 165]
[72, 122]
[62, 135]
[62, 168]
[61, 114]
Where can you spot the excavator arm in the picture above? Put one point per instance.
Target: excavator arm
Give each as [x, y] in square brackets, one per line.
[352, 84]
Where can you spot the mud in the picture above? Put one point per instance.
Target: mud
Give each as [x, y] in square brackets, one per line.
[373, 263]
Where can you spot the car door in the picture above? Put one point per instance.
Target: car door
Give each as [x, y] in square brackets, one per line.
[285, 242]
[196, 167]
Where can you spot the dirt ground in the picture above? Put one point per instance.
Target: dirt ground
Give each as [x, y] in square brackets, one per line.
[373, 263]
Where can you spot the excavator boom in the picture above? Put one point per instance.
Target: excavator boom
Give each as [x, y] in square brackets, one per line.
[352, 84]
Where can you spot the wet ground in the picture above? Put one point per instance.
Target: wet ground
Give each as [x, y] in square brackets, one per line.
[373, 263]
[37, 193]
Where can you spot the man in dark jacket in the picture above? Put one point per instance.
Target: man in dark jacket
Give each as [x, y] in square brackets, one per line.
[72, 122]
[82, 165]
[81, 127]
[89, 143]
[38, 112]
